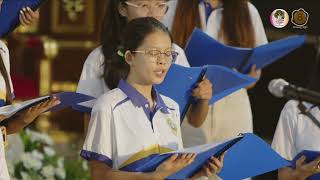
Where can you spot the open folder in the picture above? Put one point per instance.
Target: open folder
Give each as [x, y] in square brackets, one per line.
[202, 49]
[10, 11]
[246, 156]
[66, 99]
[180, 81]
[310, 156]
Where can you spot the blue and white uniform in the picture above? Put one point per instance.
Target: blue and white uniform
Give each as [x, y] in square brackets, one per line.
[4, 52]
[124, 133]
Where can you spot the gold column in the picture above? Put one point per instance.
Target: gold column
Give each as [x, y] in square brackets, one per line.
[51, 50]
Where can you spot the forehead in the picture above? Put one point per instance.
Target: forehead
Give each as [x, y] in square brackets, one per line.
[157, 39]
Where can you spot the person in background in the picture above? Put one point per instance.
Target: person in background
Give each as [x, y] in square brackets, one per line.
[13, 125]
[297, 132]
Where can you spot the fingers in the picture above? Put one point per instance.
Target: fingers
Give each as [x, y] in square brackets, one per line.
[50, 103]
[191, 158]
[207, 170]
[221, 158]
[172, 158]
[44, 106]
[314, 166]
[203, 90]
[28, 16]
[185, 159]
[23, 19]
[217, 164]
[2, 117]
[300, 161]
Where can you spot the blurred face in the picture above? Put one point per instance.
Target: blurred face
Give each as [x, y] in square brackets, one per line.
[144, 8]
[150, 62]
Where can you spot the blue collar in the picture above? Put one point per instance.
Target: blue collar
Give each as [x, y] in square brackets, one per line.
[208, 8]
[139, 100]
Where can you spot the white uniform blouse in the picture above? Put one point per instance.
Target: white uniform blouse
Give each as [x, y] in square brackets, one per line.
[231, 115]
[296, 132]
[4, 52]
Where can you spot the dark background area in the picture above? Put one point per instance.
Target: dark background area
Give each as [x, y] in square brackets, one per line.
[294, 68]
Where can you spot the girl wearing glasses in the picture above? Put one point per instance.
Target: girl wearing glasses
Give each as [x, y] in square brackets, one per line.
[95, 77]
[133, 122]
[235, 23]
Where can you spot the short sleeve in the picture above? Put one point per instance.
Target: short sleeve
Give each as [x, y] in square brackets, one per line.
[91, 81]
[98, 144]
[181, 59]
[284, 137]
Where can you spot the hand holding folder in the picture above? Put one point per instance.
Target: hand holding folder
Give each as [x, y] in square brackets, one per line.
[247, 156]
[180, 81]
[66, 99]
[10, 11]
[311, 159]
[202, 49]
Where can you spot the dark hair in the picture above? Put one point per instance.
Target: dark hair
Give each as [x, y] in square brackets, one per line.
[236, 25]
[5, 76]
[132, 37]
[113, 24]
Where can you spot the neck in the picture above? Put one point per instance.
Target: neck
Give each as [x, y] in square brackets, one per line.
[143, 89]
[214, 3]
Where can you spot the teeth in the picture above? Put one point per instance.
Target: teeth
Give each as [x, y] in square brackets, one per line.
[159, 72]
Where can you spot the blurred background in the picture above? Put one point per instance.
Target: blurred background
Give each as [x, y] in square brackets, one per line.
[48, 58]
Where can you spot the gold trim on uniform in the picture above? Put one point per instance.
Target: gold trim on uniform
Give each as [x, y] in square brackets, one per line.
[154, 149]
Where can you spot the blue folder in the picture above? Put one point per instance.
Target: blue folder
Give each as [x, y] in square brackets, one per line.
[202, 49]
[180, 81]
[66, 99]
[10, 11]
[247, 156]
[310, 156]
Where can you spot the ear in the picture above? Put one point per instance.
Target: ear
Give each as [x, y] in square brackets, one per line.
[129, 57]
[122, 10]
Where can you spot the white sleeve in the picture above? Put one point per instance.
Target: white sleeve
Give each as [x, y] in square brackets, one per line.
[91, 81]
[3, 164]
[260, 34]
[182, 58]
[169, 17]
[98, 144]
[284, 137]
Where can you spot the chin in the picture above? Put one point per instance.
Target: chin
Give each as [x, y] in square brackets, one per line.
[157, 81]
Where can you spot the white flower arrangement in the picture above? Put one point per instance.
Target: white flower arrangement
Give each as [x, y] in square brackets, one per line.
[38, 159]
[30, 156]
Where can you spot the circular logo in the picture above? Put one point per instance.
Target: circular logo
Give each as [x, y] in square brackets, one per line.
[299, 17]
[279, 18]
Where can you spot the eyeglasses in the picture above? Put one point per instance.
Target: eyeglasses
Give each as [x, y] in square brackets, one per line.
[160, 8]
[170, 56]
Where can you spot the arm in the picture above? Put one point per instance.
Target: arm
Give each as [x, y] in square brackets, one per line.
[198, 112]
[27, 117]
[301, 172]
[100, 171]
[254, 73]
[175, 163]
